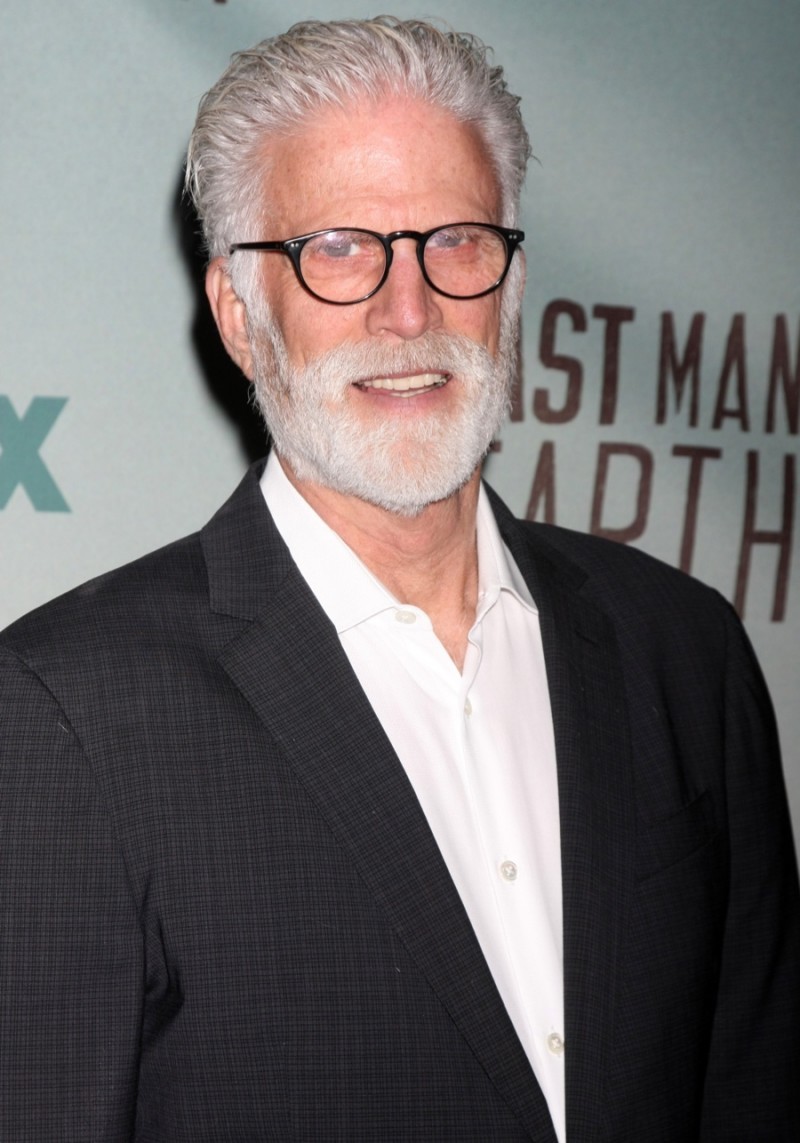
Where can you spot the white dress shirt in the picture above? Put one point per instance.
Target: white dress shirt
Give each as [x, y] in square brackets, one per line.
[478, 749]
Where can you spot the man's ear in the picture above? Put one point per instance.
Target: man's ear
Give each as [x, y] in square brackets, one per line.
[229, 314]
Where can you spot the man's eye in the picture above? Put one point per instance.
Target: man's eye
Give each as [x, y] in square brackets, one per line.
[451, 238]
[338, 245]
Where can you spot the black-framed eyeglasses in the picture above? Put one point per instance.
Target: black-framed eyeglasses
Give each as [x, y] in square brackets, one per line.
[347, 265]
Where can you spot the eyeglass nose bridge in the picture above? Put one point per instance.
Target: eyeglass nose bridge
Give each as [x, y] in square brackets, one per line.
[388, 241]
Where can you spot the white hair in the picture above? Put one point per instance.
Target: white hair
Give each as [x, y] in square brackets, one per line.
[272, 88]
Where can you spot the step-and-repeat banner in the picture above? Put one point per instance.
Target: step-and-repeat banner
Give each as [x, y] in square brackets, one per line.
[659, 396]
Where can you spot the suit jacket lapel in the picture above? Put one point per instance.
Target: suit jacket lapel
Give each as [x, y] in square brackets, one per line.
[289, 664]
[596, 810]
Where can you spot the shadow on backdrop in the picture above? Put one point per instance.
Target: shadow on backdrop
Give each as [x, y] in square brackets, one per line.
[225, 382]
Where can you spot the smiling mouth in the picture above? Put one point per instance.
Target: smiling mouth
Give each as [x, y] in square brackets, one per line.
[410, 386]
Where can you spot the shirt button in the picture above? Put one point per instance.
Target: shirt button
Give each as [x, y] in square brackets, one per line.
[509, 871]
[555, 1044]
[405, 617]
[467, 708]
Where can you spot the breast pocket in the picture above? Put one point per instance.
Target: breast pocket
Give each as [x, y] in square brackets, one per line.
[667, 841]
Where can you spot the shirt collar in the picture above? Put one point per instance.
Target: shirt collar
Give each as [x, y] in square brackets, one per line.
[347, 591]
[497, 568]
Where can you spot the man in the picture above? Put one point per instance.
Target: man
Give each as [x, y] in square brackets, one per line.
[370, 812]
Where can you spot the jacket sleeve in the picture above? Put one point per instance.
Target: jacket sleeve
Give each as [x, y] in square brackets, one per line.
[70, 946]
[752, 1090]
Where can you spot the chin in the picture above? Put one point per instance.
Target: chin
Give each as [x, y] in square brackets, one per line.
[398, 477]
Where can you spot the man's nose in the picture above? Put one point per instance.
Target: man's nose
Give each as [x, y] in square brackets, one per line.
[405, 305]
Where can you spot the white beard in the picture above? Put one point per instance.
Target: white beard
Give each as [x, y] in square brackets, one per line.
[400, 464]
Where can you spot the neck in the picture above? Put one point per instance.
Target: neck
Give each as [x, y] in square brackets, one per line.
[427, 561]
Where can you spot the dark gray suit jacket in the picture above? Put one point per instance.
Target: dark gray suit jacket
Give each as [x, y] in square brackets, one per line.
[223, 916]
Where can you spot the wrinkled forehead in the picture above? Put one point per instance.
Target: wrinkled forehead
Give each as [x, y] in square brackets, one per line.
[387, 162]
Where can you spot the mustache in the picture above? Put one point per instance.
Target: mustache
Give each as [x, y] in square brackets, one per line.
[431, 352]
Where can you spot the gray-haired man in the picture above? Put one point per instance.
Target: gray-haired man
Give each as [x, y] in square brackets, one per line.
[370, 812]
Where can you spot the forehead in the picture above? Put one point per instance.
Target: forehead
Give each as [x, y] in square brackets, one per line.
[386, 164]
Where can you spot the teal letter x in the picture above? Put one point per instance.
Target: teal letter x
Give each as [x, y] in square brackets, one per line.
[20, 463]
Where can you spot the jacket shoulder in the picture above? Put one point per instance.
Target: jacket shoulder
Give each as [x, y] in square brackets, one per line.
[123, 604]
[162, 596]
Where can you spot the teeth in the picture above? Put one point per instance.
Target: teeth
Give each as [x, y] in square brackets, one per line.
[404, 384]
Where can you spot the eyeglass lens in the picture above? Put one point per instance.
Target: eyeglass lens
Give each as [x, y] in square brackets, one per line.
[346, 265]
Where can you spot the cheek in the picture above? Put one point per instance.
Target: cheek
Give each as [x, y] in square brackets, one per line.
[478, 320]
[294, 312]
[311, 331]
[310, 328]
